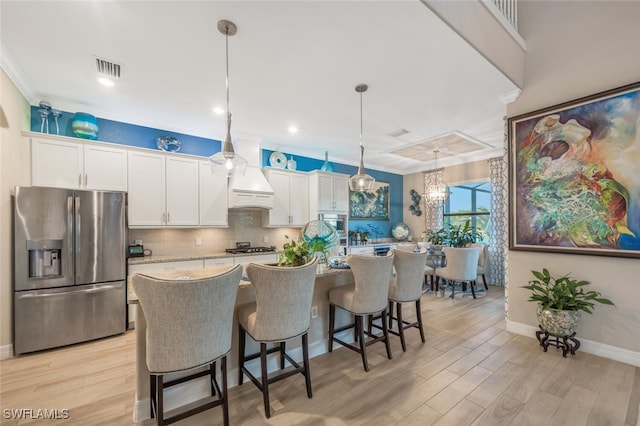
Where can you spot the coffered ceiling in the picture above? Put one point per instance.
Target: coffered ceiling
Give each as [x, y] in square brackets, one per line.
[291, 63]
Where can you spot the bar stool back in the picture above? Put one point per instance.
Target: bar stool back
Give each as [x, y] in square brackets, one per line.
[189, 325]
[368, 296]
[282, 311]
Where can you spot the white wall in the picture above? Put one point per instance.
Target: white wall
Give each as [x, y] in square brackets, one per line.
[575, 49]
[14, 170]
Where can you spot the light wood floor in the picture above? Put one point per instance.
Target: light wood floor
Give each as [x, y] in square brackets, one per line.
[470, 372]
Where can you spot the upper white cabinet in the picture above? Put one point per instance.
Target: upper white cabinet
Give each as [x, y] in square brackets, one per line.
[163, 191]
[290, 198]
[213, 197]
[328, 192]
[78, 165]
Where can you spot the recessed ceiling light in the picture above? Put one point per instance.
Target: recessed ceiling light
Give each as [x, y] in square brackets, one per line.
[107, 82]
[293, 129]
[218, 110]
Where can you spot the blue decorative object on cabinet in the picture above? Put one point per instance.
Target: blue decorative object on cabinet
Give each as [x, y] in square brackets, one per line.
[326, 167]
[85, 126]
[168, 143]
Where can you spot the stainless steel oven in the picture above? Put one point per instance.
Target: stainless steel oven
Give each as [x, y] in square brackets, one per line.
[338, 221]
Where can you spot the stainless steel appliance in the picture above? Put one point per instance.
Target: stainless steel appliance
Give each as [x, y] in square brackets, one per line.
[69, 264]
[245, 247]
[339, 222]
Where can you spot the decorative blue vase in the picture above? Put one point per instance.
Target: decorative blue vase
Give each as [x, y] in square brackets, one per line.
[168, 143]
[85, 126]
[326, 167]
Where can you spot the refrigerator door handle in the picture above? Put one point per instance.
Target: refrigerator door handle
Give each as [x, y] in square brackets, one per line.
[34, 295]
[78, 227]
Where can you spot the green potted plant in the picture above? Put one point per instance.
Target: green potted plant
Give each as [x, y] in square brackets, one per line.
[561, 301]
[295, 253]
[462, 235]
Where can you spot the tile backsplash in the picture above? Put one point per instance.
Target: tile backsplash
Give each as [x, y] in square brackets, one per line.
[244, 225]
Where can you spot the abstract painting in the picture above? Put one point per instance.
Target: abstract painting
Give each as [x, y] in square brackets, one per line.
[372, 204]
[574, 176]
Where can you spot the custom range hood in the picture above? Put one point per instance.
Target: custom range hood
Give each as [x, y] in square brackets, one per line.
[251, 190]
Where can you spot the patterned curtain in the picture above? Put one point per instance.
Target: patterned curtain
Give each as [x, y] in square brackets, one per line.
[497, 249]
[434, 212]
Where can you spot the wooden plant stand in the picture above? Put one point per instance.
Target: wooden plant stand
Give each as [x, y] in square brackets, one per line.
[566, 343]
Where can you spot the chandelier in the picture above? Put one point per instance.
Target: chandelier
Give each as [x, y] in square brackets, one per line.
[437, 191]
[227, 161]
[361, 181]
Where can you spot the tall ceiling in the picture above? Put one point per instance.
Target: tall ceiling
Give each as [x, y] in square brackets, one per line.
[290, 63]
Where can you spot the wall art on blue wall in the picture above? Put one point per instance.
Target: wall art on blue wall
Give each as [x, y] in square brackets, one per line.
[372, 204]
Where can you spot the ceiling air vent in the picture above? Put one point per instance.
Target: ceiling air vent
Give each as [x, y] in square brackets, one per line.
[108, 68]
[397, 133]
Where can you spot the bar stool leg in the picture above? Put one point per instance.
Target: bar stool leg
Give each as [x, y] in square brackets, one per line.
[224, 391]
[153, 395]
[305, 359]
[332, 320]
[363, 347]
[385, 331]
[419, 316]
[391, 315]
[282, 349]
[401, 326]
[265, 379]
[241, 344]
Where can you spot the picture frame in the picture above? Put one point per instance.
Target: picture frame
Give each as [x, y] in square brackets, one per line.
[573, 176]
[371, 205]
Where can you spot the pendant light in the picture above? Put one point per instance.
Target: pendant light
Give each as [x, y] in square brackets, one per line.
[437, 192]
[227, 161]
[361, 181]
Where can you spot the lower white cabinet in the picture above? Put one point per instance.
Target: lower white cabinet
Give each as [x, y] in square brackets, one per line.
[368, 250]
[218, 261]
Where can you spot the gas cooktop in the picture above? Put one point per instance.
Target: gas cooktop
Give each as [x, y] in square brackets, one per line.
[244, 247]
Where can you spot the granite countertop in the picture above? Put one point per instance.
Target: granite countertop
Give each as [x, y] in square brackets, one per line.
[179, 258]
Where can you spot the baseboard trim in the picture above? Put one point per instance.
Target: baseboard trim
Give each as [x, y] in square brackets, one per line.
[594, 348]
[6, 352]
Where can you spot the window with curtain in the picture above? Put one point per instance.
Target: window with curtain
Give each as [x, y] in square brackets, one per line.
[470, 202]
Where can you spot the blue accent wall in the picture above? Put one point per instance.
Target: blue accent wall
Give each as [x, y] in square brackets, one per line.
[383, 227]
[145, 137]
[129, 134]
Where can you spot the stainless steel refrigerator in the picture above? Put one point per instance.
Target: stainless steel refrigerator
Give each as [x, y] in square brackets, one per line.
[69, 266]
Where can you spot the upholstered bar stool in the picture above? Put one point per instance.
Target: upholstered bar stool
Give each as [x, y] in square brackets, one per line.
[282, 311]
[189, 325]
[407, 287]
[368, 296]
[462, 266]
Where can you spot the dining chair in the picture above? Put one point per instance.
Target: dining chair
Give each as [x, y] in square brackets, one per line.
[482, 259]
[282, 311]
[189, 325]
[462, 267]
[367, 296]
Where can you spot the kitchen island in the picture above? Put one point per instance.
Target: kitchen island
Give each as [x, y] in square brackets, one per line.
[191, 391]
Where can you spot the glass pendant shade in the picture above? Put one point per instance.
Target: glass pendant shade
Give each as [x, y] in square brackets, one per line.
[361, 181]
[227, 161]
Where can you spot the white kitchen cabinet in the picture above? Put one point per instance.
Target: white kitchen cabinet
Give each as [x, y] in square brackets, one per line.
[162, 191]
[290, 198]
[182, 192]
[328, 192]
[147, 194]
[213, 197]
[218, 261]
[78, 165]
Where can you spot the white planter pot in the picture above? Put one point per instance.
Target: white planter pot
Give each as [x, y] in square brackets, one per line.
[557, 322]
